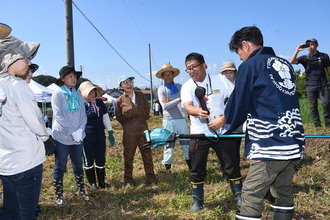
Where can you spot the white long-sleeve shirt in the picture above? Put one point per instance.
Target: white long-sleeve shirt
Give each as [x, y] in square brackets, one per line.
[65, 123]
[173, 108]
[22, 130]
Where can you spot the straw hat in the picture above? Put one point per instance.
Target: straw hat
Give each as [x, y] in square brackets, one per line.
[86, 87]
[167, 67]
[228, 66]
[5, 30]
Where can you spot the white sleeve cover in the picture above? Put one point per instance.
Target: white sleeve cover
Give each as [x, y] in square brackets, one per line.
[107, 122]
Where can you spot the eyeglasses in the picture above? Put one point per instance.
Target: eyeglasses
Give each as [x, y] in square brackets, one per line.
[129, 81]
[27, 59]
[189, 69]
[228, 72]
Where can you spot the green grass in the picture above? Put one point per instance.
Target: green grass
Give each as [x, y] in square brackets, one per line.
[305, 112]
[172, 199]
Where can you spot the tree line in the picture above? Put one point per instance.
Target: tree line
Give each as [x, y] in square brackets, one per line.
[46, 80]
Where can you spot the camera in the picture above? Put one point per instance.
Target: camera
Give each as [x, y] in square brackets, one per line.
[305, 45]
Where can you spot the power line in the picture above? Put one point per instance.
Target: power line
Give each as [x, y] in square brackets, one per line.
[91, 23]
[134, 21]
[153, 59]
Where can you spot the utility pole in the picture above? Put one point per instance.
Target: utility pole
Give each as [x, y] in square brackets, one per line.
[151, 90]
[69, 33]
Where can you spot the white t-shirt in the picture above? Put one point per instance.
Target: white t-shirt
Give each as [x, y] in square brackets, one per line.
[218, 89]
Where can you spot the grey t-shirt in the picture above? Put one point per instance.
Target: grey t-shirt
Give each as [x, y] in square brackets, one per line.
[171, 109]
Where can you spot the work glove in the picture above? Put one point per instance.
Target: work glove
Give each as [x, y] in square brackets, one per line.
[111, 138]
[77, 135]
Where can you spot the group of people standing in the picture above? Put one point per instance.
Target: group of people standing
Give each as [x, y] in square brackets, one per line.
[78, 120]
[274, 134]
[262, 94]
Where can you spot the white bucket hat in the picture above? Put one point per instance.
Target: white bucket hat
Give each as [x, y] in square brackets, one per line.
[13, 49]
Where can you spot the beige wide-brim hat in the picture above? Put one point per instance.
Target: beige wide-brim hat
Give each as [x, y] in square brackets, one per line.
[13, 49]
[167, 67]
[86, 87]
[228, 66]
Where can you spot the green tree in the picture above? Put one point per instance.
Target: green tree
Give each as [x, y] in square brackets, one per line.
[300, 82]
[44, 80]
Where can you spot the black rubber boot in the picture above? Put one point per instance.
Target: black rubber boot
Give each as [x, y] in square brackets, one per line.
[58, 187]
[280, 212]
[197, 190]
[189, 164]
[168, 167]
[236, 188]
[90, 174]
[100, 172]
[81, 187]
[239, 216]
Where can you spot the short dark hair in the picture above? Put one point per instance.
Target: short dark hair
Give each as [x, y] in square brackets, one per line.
[250, 33]
[195, 56]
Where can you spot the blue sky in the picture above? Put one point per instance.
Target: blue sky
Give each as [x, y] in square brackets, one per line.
[173, 28]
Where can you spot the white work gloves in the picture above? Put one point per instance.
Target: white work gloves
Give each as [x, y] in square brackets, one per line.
[2, 98]
[77, 135]
[49, 131]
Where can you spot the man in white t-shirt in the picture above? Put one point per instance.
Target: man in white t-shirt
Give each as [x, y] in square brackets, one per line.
[217, 91]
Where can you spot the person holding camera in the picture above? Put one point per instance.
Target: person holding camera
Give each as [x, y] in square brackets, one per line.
[316, 64]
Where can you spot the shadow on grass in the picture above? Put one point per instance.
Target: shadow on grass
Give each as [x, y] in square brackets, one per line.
[171, 200]
[306, 161]
[306, 188]
[112, 203]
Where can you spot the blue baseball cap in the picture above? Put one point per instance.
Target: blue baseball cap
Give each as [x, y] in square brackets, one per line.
[124, 77]
[312, 40]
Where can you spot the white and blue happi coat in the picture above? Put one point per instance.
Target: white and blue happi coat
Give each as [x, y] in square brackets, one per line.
[265, 96]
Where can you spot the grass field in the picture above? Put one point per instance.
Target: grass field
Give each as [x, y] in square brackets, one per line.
[172, 199]
[305, 113]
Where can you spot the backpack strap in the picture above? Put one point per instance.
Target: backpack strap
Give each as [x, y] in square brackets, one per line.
[322, 59]
[308, 63]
